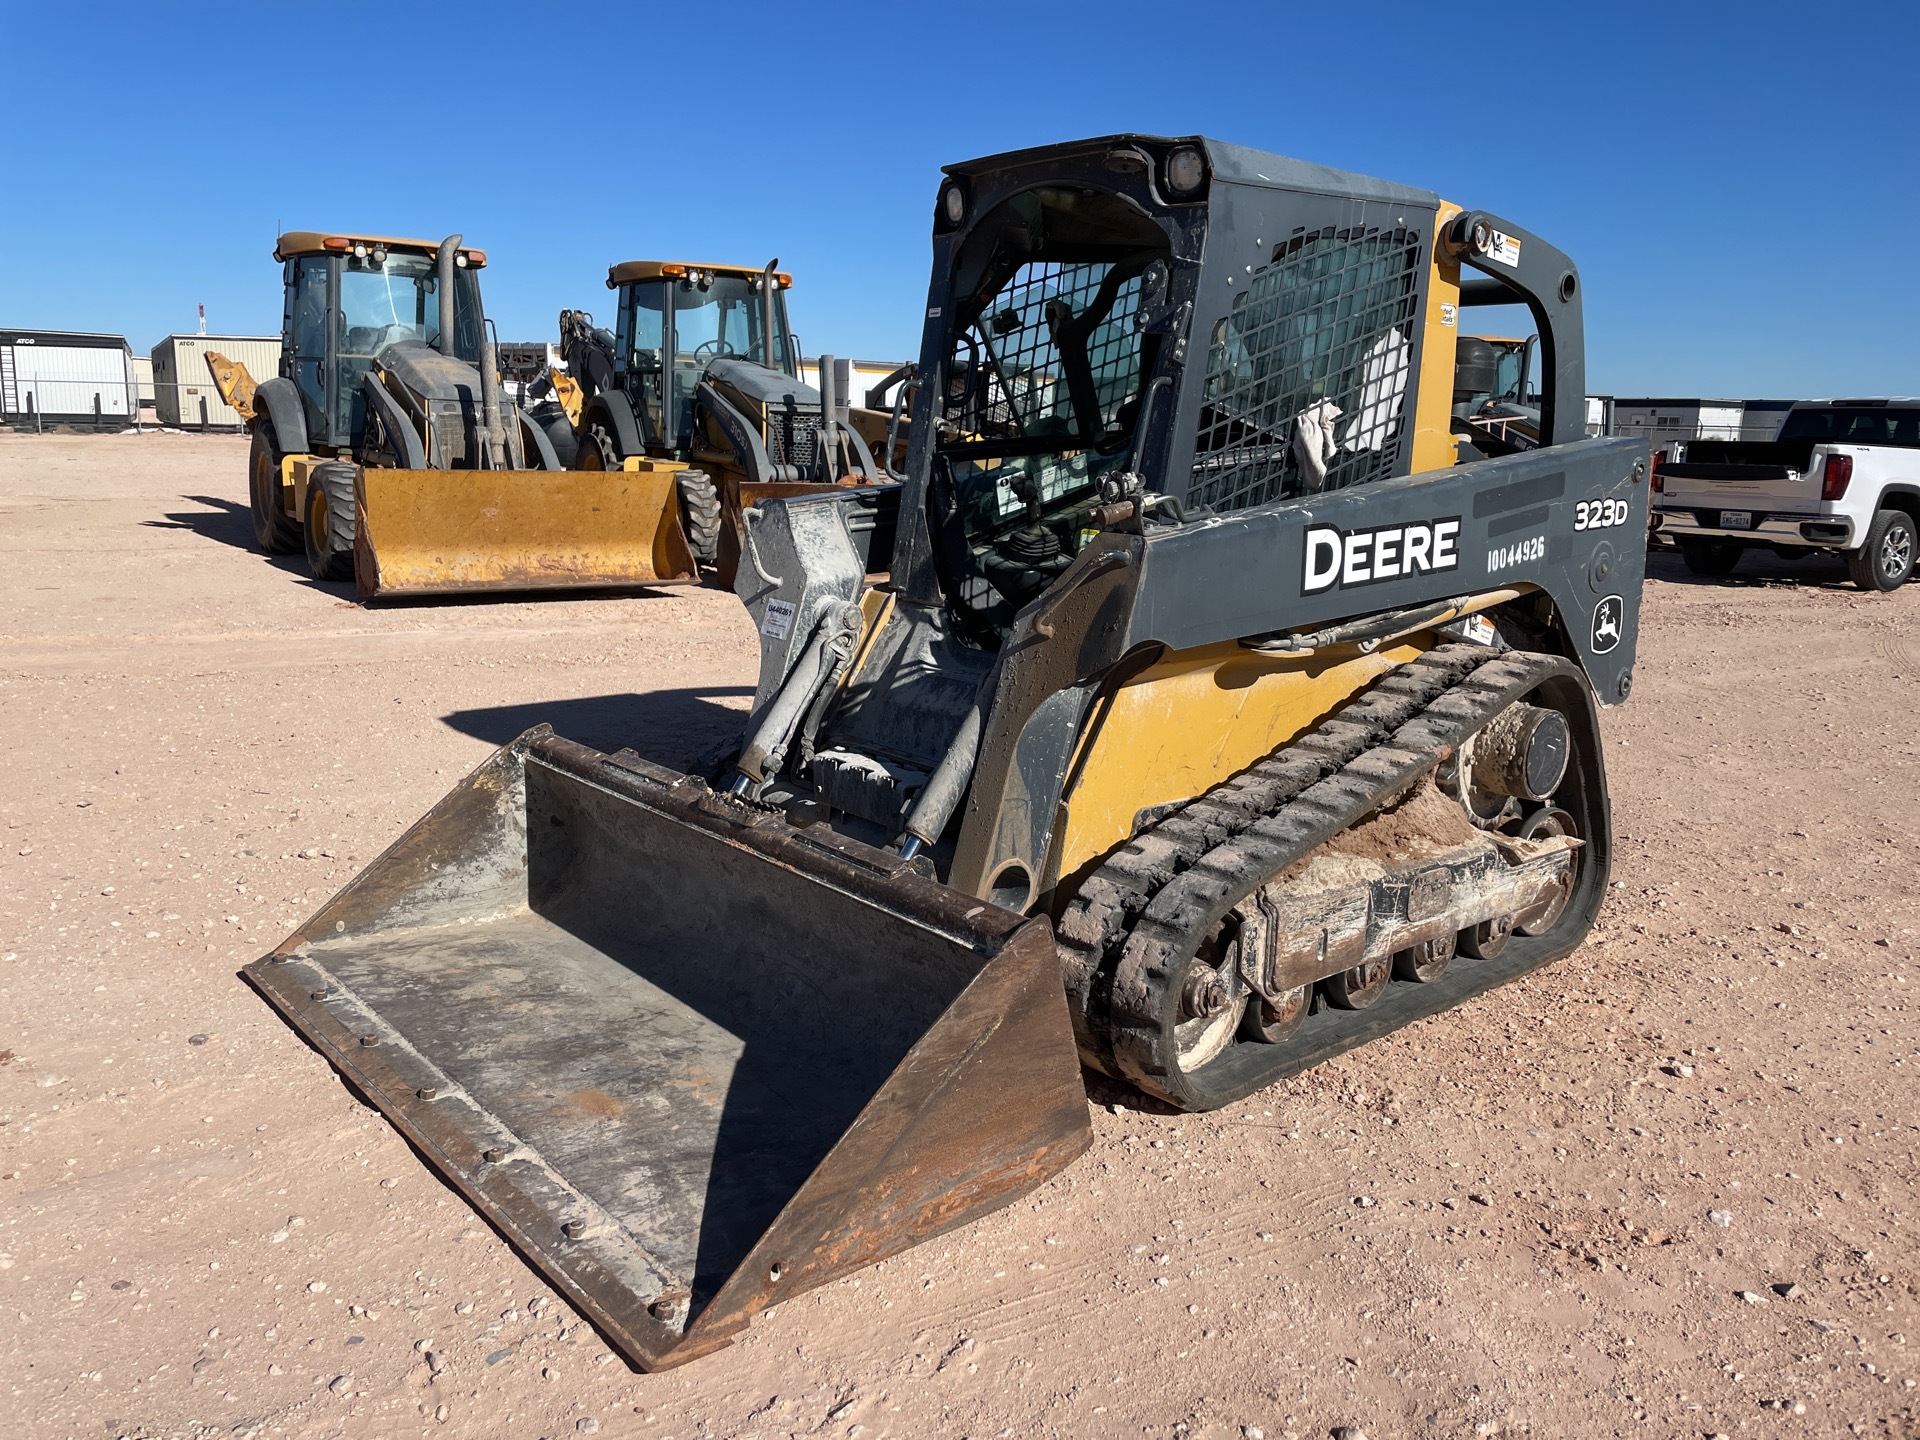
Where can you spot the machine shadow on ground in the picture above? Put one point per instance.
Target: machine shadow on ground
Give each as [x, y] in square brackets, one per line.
[1757, 569]
[225, 521]
[668, 727]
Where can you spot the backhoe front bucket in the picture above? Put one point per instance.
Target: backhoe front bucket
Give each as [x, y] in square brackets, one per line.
[423, 532]
[689, 1059]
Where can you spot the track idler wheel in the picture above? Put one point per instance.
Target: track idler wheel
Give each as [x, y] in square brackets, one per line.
[1271, 1022]
[1426, 962]
[1359, 988]
[1541, 825]
[1486, 940]
[1212, 1001]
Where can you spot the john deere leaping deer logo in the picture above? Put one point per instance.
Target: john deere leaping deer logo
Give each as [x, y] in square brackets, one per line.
[1607, 616]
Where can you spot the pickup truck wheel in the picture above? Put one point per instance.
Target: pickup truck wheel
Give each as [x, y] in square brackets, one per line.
[1887, 559]
[1711, 557]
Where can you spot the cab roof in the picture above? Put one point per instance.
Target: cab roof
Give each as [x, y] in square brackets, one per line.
[314, 242]
[629, 271]
[1233, 164]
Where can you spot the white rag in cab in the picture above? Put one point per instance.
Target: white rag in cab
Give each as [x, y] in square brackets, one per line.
[1313, 443]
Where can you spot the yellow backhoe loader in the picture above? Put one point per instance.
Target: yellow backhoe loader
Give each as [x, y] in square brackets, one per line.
[385, 449]
[1213, 719]
[701, 368]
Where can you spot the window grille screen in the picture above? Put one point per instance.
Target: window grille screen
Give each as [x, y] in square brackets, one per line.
[1329, 318]
[1006, 380]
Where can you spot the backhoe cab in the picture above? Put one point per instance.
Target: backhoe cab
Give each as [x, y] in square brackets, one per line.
[385, 449]
[1212, 719]
[701, 368]
[1496, 406]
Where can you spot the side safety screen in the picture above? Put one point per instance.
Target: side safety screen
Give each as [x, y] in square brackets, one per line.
[1306, 384]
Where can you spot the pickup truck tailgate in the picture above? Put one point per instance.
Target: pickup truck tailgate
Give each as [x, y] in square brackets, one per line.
[1755, 475]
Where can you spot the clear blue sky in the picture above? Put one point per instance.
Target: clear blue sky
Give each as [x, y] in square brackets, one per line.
[1740, 184]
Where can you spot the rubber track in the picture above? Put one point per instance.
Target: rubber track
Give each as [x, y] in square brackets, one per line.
[1125, 939]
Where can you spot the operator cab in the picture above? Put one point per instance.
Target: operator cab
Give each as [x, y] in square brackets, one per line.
[1043, 387]
[348, 297]
[676, 319]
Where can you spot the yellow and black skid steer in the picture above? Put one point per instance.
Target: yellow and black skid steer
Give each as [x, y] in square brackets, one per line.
[386, 450]
[1213, 719]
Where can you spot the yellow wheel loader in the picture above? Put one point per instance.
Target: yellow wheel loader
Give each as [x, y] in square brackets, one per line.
[1212, 720]
[701, 368]
[385, 450]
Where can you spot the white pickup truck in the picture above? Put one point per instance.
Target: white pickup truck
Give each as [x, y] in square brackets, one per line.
[1842, 477]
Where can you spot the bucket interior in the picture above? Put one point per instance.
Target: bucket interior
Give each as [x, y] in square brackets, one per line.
[681, 1026]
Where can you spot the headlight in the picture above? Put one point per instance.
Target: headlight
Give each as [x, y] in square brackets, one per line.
[1186, 170]
[953, 204]
[460, 258]
[359, 251]
[379, 255]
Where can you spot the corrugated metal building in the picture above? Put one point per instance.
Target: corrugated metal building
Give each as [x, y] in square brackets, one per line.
[65, 377]
[183, 390]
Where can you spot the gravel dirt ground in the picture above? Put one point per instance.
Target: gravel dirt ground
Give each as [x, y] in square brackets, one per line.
[1661, 1188]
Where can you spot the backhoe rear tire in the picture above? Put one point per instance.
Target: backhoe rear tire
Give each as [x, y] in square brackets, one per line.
[700, 514]
[1886, 560]
[274, 531]
[331, 521]
[560, 435]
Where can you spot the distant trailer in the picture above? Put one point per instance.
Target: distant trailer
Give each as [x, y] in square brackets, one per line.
[183, 390]
[62, 377]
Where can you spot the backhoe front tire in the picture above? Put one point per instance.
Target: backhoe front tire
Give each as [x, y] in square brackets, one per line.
[274, 531]
[700, 514]
[331, 521]
[1713, 558]
[1886, 561]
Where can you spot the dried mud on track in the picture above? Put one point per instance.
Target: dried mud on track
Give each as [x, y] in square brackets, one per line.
[1570, 1208]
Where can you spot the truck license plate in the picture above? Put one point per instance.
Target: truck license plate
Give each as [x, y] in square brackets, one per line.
[1736, 519]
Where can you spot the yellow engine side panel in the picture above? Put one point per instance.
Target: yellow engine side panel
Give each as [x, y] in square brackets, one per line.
[449, 531]
[1193, 719]
[1434, 445]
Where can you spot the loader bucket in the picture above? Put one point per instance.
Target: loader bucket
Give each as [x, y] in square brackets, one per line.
[689, 1059]
[451, 531]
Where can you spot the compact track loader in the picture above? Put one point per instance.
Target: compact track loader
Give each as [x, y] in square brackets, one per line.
[702, 368]
[385, 449]
[1212, 720]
